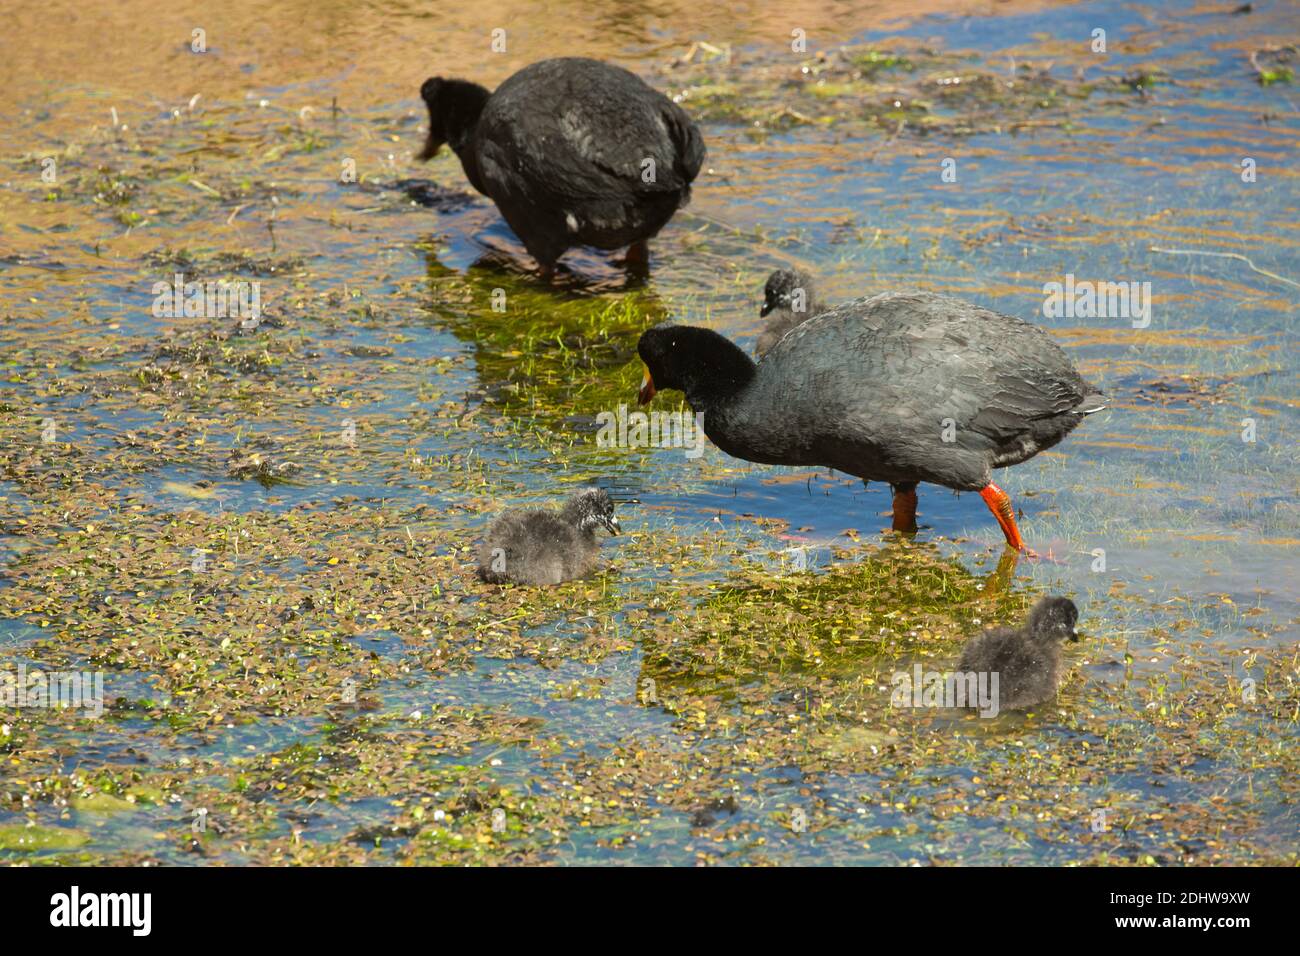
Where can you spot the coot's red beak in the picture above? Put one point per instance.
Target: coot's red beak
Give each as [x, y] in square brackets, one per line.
[647, 389]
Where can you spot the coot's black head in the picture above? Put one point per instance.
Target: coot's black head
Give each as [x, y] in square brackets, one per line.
[1054, 619]
[700, 362]
[454, 108]
[590, 509]
[787, 289]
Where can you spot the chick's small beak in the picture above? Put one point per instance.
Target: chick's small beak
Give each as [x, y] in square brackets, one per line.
[768, 306]
[647, 389]
[612, 525]
[1074, 634]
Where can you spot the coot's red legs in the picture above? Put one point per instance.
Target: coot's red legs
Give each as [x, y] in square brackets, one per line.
[637, 260]
[638, 254]
[905, 508]
[1000, 504]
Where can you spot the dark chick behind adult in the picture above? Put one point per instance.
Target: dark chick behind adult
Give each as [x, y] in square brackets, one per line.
[572, 151]
[901, 387]
[1026, 659]
[788, 300]
[538, 547]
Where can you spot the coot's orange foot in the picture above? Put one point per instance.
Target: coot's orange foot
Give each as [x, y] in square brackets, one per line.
[1050, 557]
[999, 503]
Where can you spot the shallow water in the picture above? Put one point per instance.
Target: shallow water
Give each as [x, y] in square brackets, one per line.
[378, 313]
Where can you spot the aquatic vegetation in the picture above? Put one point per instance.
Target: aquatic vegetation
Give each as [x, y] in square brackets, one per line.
[260, 532]
[912, 91]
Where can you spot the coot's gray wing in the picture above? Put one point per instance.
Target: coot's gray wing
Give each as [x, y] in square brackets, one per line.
[888, 372]
[1013, 377]
[582, 130]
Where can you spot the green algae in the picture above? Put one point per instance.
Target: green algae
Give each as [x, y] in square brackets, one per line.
[914, 91]
[102, 803]
[35, 839]
[310, 693]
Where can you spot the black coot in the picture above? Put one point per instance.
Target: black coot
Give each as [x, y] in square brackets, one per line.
[573, 152]
[536, 546]
[902, 387]
[789, 299]
[1027, 660]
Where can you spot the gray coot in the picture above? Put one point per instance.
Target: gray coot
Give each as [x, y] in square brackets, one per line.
[536, 546]
[902, 387]
[572, 151]
[1027, 660]
[790, 300]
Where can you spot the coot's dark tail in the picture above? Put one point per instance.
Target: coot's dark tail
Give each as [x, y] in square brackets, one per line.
[688, 147]
[1092, 402]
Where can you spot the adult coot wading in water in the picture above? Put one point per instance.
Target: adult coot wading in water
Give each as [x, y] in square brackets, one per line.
[537, 546]
[574, 152]
[1026, 659]
[902, 387]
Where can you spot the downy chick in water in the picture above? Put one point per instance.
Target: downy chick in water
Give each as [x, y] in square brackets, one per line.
[1026, 659]
[789, 298]
[538, 546]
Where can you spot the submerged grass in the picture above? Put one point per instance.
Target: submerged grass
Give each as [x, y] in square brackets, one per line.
[263, 538]
[912, 90]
